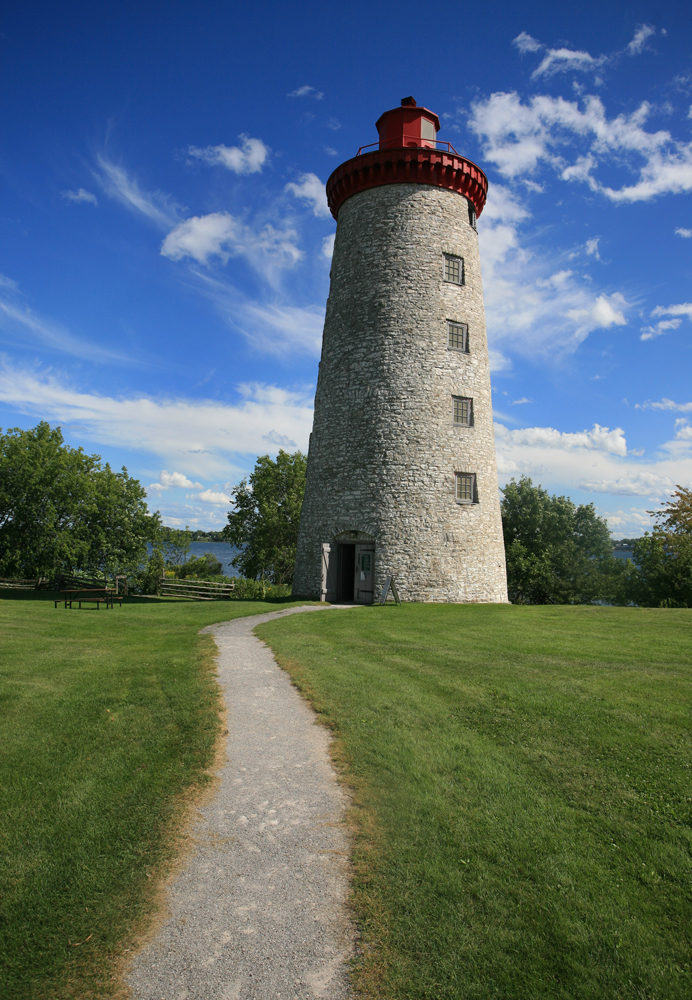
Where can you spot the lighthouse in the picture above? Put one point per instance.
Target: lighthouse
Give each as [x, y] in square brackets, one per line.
[402, 472]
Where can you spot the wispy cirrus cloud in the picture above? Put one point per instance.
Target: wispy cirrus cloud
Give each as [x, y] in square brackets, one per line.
[117, 183]
[206, 437]
[565, 60]
[306, 91]
[666, 325]
[248, 158]
[80, 195]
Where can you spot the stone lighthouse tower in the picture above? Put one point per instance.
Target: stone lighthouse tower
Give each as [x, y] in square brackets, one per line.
[402, 476]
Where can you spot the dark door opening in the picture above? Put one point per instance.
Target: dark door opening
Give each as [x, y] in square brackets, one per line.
[347, 566]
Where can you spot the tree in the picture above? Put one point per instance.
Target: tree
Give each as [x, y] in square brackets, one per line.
[265, 518]
[175, 544]
[557, 553]
[61, 510]
[663, 559]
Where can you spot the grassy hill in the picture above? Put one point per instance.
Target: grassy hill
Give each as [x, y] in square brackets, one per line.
[523, 795]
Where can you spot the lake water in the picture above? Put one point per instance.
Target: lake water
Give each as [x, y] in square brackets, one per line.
[223, 551]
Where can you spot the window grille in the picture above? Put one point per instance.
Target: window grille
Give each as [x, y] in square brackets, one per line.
[454, 269]
[463, 410]
[465, 487]
[457, 336]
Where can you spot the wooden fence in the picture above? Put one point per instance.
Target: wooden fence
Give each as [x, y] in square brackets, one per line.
[196, 590]
[25, 584]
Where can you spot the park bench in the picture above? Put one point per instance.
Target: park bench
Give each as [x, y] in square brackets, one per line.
[85, 596]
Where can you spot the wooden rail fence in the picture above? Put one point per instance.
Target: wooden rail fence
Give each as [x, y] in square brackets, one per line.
[196, 590]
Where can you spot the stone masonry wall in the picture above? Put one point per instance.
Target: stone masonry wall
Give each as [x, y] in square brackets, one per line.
[384, 448]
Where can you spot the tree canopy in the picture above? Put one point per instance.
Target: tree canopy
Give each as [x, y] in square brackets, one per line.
[265, 518]
[61, 510]
[557, 552]
[662, 572]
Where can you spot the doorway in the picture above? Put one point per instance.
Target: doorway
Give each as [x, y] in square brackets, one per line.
[347, 569]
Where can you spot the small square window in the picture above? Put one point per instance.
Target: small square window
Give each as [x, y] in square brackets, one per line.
[463, 411]
[457, 336]
[465, 487]
[454, 269]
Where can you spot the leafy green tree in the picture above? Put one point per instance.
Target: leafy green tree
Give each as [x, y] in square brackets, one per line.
[175, 544]
[265, 518]
[662, 574]
[200, 567]
[557, 553]
[61, 510]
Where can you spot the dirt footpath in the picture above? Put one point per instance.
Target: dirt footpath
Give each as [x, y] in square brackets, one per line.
[258, 911]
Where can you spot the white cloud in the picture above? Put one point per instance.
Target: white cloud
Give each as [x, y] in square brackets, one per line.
[221, 234]
[328, 246]
[525, 43]
[649, 332]
[528, 303]
[330, 151]
[518, 136]
[639, 484]
[520, 402]
[80, 195]
[592, 248]
[281, 329]
[306, 91]
[160, 208]
[311, 189]
[273, 437]
[598, 439]
[665, 404]
[209, 496]
[249, 158]
[642, 34]
[682, 309]
[49, 334]
[173, 480]
[685, 233]
[203, 436]
[564, 60]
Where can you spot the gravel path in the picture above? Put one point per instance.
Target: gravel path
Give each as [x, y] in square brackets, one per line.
[258, 911]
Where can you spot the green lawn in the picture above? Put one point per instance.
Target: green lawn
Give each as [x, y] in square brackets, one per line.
[523, 795]
[107, 720]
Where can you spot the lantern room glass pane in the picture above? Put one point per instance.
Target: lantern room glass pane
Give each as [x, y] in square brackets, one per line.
[427, 130]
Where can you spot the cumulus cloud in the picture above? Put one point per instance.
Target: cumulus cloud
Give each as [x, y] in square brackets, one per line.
[592, 248]
[80, 195]
[204, 436]
[173, 480]
[273, 437]
[310, 189]
[221, 234]
[664, 404]
[210, 496]
[528, 302]
[306, 91]
[248, 158]
[597, 439]
[518, 136]
[159, 208]
[525, 43]
[685, 233]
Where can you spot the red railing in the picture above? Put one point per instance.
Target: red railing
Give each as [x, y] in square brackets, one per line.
[429, 144]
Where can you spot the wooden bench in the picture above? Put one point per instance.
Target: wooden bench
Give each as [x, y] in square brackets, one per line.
[85, 596]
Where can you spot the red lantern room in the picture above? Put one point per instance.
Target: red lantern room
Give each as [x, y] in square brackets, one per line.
[408, 125]
[408, 152]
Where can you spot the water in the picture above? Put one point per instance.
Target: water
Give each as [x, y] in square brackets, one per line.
[223, 551]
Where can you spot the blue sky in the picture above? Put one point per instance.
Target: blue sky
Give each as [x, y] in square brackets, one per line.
[164, 249]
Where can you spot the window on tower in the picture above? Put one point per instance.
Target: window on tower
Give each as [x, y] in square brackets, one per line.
[454, 269]
[463, 411]
[465, 487]
[457, 336]
[472, 215]
[427, 130]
